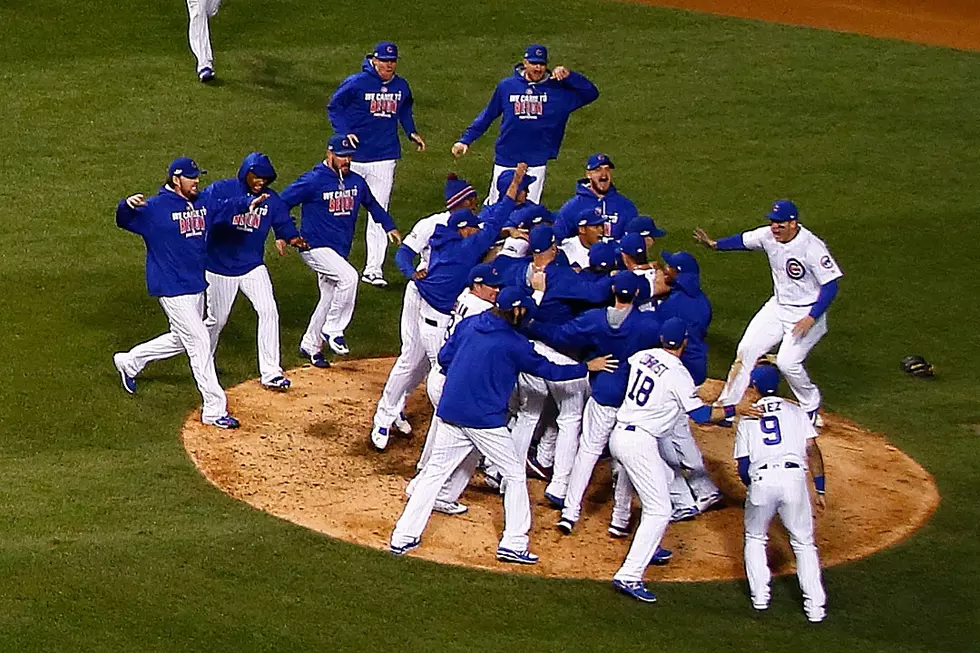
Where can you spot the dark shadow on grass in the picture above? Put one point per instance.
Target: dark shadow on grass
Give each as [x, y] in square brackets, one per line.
[278, 79]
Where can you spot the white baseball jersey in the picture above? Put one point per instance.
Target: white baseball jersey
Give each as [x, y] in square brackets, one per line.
[779, 436]
[577, 253]
[659, 389]
[467, 305]
[799, 267]
[418, 237]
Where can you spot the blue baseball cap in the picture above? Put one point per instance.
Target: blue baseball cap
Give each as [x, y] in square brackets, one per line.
[625, 286]
[536, 220]
[632, 244]
[262, 167]
[486, 274]
[513, 297]
[765, 379]
[541, 238]
[783, 211]
[591, 218]
[536, 53]
[673, 332]
[507, 176]
[681, 261]
[597, 160]
[463, 218]
[602, 255]
[341, 145]
[184, 166]
[457, 190]
[385, 51]
[645, 226]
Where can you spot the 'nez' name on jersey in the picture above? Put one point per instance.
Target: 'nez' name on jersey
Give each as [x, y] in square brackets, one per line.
[191, 222]
[527, 106]
[341, 202]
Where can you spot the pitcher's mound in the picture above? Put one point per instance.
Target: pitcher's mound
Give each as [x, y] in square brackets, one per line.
[304, 456]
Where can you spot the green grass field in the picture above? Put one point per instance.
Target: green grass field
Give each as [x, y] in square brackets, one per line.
[111, 541]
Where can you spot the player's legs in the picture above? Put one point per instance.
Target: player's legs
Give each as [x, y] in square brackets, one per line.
[220, 294]
[597, 423]
[570, 397]
[410, 367]
[796, 514]
[534, 191]
[212, 7]
[690, 459]
[312, 341]
[761, 503]
[681, 496]
[163, 346]
[198, 33]
[497, 445]
[433, 387]
[637, 453]
[380, 177]
[451, 448]
[257, 286]
[533, 393]
[789, 359]
[547, 436]
[622, 496]
[764, 331]
[186, 320]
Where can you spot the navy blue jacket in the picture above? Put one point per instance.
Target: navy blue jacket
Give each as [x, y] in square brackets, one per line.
[330, 207]
[452, 257]
[481, 361]
[237, 247]
[688, 302]
[174, 231]
[565, 291]
[534, 116]
[592, 336]
[617, 209]
[371, 109]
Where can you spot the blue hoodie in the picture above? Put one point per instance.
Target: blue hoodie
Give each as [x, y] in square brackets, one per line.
[174, 231]
[452, 256]
[534, 116]
[330, 207]
[617, 209]
[367, 107]
[591, 335]
[481, 361]
[238, 247]
[688, 302]
[565, 291]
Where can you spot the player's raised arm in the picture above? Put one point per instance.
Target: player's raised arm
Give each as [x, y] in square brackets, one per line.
[585, 91]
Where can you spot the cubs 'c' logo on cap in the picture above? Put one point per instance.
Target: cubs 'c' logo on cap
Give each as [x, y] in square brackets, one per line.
[826, 263]
[795, 269]
[389, 49]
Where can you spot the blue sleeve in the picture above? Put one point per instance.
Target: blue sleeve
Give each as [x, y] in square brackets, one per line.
[576, 334]
[743, 470]
[282, 223]
[827, 293]
[127, 218]
[299, 191]
[493, 219]
[376, 211]
[701, 415]
[565, 226]
[585, 91]
[570, 287]
[482, 122]
[337, 107]
[405, 260]
[221, 210]
[731, 243]
[535, 364]
[405, 115]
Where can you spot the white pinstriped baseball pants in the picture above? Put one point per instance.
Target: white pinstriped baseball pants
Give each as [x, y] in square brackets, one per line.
[187, 334]
[410, 367]
[257, 287]
[337, 280]
[597, 423]
[198, 30]
[380, 177]
[534, 190]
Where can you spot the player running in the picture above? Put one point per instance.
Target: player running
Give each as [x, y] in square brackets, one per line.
[774, 452]
[804, 278]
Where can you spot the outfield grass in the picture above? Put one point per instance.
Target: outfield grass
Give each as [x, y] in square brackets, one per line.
[111, 541]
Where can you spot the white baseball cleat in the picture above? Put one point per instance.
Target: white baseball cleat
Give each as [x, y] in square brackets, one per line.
[449, 507]
[338, 345]
[705, 503]
[375, 280]
[402, 425]
[379, 438]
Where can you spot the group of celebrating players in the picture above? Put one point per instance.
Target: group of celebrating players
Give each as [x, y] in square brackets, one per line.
[544, 338]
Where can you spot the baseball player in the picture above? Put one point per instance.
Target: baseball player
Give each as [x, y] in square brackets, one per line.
[591, 226]
[412, 365]
[659, 389]
[535, 104]
[199, 36]
[804, 277]
[173, 225]
[331, 197]
[596, 191]
[367, 107]
[646, 227]
[482, 360]
[235, 261]
[773, 452]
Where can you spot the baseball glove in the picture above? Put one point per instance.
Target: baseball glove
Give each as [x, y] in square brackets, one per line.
[917, 366]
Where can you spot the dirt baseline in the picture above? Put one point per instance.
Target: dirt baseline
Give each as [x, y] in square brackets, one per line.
[304, 456]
